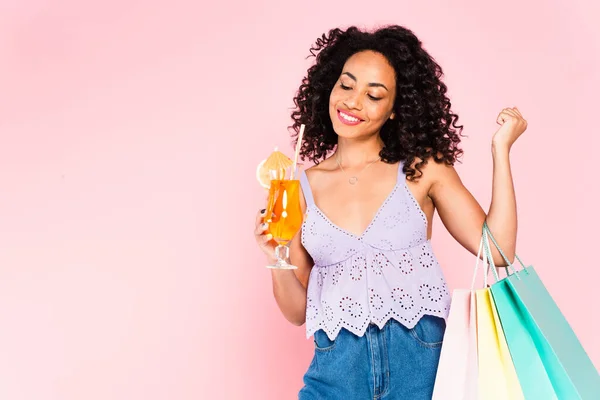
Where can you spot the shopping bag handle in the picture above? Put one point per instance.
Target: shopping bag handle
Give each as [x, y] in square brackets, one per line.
[484, 244]
[477, 263]
[486, 265]
[509, 266]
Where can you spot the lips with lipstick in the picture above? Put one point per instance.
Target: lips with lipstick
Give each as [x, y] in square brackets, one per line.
[348, 118]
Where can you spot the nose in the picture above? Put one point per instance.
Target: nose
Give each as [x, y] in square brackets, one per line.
[352, 101]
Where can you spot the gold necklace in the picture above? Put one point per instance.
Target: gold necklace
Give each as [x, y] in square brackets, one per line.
[354, 179]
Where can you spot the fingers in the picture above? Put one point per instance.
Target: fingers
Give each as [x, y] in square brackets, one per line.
[507, 114]
[520, 116]
[503, 117]
[265, 239]
[261, 228]
[260, 216]
[259, 232]
[515, 112]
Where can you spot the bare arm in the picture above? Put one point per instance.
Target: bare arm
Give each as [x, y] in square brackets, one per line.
[289, 286]
[502, 216]
[461, 213]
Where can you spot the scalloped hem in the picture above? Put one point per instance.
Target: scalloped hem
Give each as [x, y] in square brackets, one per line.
[361, 331]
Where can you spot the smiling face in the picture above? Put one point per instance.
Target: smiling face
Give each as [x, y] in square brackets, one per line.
[363, 96]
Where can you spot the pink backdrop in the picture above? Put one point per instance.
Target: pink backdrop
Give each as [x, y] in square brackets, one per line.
[128, 268]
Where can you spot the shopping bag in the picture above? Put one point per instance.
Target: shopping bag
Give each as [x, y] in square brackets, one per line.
[456, 376]
[549, 359]
[496, 373]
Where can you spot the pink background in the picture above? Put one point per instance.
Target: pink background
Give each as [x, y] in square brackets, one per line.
[130, 132]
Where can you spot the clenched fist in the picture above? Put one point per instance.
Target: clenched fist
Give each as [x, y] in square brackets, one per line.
[512, 126]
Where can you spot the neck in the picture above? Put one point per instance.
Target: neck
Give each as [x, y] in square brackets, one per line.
[354, 153]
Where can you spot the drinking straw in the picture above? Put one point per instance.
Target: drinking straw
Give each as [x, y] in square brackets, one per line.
[298, 145]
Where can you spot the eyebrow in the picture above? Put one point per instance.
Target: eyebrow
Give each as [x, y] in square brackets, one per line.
[371, 84]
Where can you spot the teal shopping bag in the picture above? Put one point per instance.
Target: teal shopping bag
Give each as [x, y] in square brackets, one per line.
[550, 361]
[520, 333]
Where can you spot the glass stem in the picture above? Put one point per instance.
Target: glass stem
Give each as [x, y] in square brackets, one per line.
[281, 259]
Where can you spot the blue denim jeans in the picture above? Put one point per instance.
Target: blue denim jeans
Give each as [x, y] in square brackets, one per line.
[392, 363]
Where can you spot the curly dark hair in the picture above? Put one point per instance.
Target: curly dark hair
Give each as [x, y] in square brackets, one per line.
[424, 126]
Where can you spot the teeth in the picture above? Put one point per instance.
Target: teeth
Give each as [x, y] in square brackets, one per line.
[348, 118]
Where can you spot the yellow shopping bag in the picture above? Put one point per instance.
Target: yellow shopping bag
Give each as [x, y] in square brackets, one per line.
[496, 372]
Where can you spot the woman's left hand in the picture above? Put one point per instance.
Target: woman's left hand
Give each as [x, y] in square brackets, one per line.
[512, 126]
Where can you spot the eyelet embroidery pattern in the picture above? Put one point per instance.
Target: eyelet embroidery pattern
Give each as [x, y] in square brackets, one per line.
[406, 263]
[349, 253]
[431, 293]
[418, 237]
[328, 312]
[322, 274]
[444, 286]
[416, 205]
[311, 228]
[390, 271]
[426, 258]
[357, 267]
[326, 245]
[435, 294]
[405, 300]
[385, 244]
[312, 312]
[402, 216]
[380, 263]
[337, 273]
[352, 308]
[375, 300]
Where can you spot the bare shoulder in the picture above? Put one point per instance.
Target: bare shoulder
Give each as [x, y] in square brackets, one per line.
[314, 175]
[434, 172]
[317, 174]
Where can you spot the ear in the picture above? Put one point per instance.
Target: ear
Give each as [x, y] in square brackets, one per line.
[393, 116]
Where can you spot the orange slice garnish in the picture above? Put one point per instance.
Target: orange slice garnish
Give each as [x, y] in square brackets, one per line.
[262, 175]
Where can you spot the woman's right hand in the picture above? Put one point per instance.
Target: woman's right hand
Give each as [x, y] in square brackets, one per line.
[263, 239]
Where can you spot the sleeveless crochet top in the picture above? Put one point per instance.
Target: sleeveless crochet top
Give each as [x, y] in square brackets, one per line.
[389, 271]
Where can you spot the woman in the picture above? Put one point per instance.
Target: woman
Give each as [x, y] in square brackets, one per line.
[379, 128]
